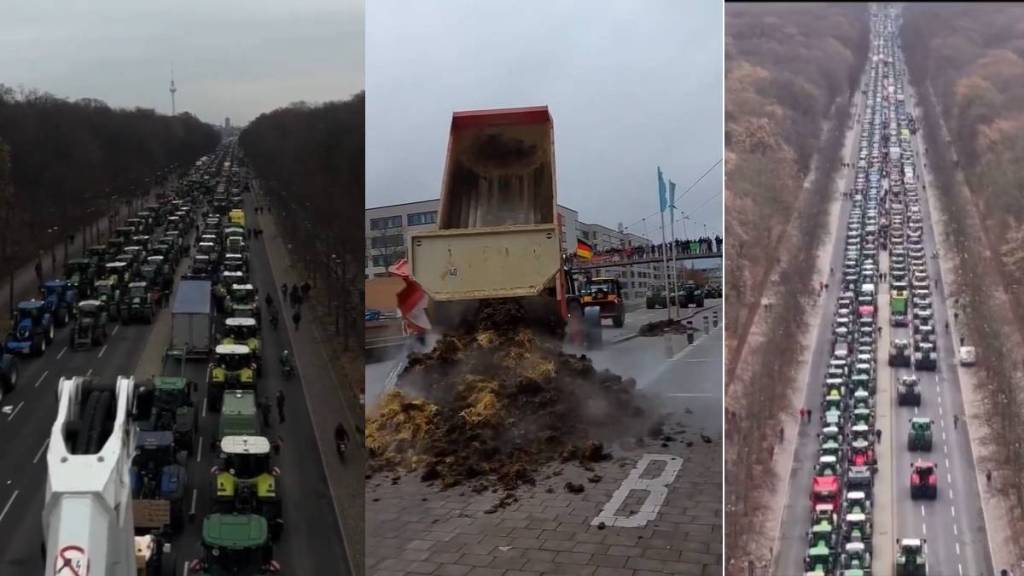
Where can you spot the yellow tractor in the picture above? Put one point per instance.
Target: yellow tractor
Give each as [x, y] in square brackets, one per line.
[246, 481]
[233, 367]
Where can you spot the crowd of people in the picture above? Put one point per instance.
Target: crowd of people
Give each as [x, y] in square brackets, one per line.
[696, 246]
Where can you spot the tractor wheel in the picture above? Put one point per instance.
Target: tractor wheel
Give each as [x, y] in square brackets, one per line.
[9, 380]
[50, 335]
[42, 347]
[65, 316]
[699, 303]
[620, 318]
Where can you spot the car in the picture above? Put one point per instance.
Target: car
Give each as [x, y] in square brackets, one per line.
[968, 356]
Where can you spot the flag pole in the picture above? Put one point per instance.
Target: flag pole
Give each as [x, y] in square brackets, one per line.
[664, 262]
[672, 227]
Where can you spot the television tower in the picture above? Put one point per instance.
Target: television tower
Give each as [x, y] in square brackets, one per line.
[174, 111]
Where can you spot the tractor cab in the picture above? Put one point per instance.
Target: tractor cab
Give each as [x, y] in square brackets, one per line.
[234, 261]
[124, 233]
[91, 324]
[202, 267]
[246, 481]
[117, 271]
[235, 544]
[32, 330]
[923, 480]
[154, 453]
[833, 402]
[606, 294]
[136, 252]
[919, 437]
[234, 232]
[233, 367]
[862, 399]
[242, 303]
[827, 466]
[819, 560]
[243, 331]
[234, 244]
[60, 299]
[824, 513]
[857, 528]
[80, 273]
[859, 478]
[207, 249]
[910, 557]
[830, 447]
[834, 418]
[863, 417]
[831, 434]
[856, 557]
[822, 532]
[97, 255]
[856, 502]
[862, 452]
[166, 404]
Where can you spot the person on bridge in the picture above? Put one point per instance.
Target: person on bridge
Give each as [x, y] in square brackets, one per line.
[297, 317]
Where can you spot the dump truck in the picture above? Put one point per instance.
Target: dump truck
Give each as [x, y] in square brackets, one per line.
[499, 235]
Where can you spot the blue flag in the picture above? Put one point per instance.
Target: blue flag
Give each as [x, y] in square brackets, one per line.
[672, 194]
[662, 199]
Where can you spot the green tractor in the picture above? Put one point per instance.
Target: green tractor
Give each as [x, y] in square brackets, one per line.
[910, 558]
[822, 533]
[80, 273]
[244, 331]
[166, 404]
[108, 293]
[919, 437]
[857, 528]
[233, 367]
[138, 303]
[90, 328]
[235, 544]
[819, 560]
[241, 302]
[856, 557]
[247, 482]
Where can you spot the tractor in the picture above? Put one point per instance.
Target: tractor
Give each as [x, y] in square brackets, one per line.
[235, 544]
[907, 392]
[690, 293]
[857, 528]
[247, 482]
[233, 368]
[157, 475]
[80, 273]
[819, 560]
[33, 329]
[924, 482]
[238, 416]
[60, 299]
[138, 304]
[899, 353]
[822, 532]
[919, 437]
[606, 294]
[925, 357]
[856, 557]
[244, 331]
[90, 327]
[862, 453]
[227, 279]
[826, 490]
[166, 404]
[910, 557]
[242, 303]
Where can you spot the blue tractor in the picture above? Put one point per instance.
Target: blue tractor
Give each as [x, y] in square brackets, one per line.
[60, 298]
[33, 329]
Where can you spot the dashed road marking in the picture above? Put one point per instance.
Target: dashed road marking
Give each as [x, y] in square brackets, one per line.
[115, 330]
[204, 407]
[8, 506]
[41, 379]
[102, 350]
[16, 408]
[88, 372]
[959, 568]
[952, 509]
[199, 449]
[949, 478]
[62, 352]
[955, 532]
[41, 449]
[957, 548]
[947, 462]
[924, 529]
[922, 510]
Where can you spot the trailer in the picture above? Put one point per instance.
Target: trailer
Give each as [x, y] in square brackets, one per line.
[191, 320]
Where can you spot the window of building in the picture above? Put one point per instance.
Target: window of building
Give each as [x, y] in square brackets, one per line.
[389, 241]
[385, 260]
[385, 223]
[422, 218]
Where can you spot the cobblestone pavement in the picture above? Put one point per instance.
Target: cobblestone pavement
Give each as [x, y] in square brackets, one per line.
[414, 528]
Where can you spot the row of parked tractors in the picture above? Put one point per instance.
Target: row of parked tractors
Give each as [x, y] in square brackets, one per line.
[840, 539]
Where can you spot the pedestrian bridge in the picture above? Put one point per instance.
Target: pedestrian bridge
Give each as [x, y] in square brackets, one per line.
[610, 261]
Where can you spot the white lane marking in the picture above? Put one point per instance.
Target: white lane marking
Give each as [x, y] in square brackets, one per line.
[115, 330]
[184, 569]
[89, 372]
[924, 529]
[952, 509]
[16, 408]
[192, 510]
[104, 349]
[199, 449]
[62, 352]
[940, 400]
[955, 532]
[204, 407]
[949, 478]
[40, 453]
[945, 449]
[8, 506]
[959, 569]
[41, 379]
[947, 462]
[656, 489]
[922, 510]
[957, 548]
[915, 410]
[943, 424]
[940, 410]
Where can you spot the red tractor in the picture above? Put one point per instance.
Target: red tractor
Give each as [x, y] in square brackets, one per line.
[924, 482]
[825, 490]
[862, 453]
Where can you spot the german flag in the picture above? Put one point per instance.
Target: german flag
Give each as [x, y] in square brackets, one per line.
[584, 250]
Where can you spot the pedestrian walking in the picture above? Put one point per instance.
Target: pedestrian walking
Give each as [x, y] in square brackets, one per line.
[956, 421]
[280, 406]
[988, 476]
[296, 318]
[39, 271]
[782, 434]
[284, 290]
[878, 435]
[808, 414]
[803, 414]
[264, 407]
[306, 288]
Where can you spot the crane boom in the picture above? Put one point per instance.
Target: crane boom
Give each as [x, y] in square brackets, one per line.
[87, 517]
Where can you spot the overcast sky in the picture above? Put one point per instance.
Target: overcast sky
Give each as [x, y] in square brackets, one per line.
[234, 58]
[630, 85]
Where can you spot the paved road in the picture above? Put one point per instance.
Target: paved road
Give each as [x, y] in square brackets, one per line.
[413, 528]
[312, 540]
[953, 524]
